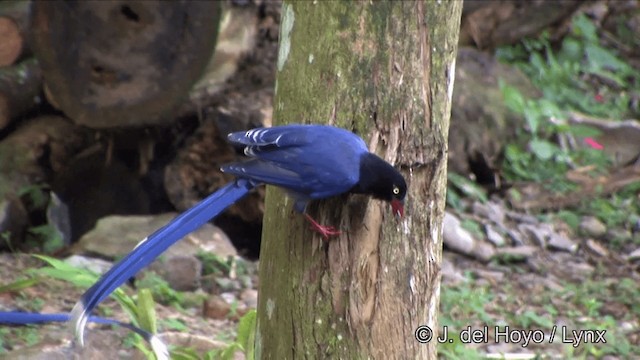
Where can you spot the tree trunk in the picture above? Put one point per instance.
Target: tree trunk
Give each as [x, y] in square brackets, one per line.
[384, 70]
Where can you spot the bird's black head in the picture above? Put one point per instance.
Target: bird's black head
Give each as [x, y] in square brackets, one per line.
[382, 181]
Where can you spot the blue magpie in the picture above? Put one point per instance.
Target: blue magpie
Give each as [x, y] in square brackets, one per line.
[316, 162]
[309, 161]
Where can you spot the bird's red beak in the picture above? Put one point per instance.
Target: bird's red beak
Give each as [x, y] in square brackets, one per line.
[398, 207]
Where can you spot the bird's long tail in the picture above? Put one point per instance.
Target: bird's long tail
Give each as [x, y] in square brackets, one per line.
[154, 245]
[24, 318]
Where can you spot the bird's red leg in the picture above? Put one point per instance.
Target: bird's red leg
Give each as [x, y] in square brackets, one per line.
[325, 231]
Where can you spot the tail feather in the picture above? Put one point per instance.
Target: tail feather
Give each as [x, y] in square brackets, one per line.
[154, 245]
[25, 318]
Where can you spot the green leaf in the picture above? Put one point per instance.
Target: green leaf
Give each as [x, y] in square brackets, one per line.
[585, 28]
[146, 311]
[49, 238]
[246, 333]
[467, 187]
[530, 317]
[513, 152]
[572, 50]
[229, 352]
[581, 130]
[512, 98]
[18, 285]
[454, 199]
[601, 58]
[543, 149]
[570, 218]
[549, 109]
[36, 194]
[174, 324]
[83, 278]
[183, 353]
[532, 116]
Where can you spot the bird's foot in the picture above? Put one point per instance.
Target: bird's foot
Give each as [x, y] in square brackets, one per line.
[325, 231]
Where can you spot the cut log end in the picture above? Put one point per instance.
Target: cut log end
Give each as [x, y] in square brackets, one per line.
[102, 83]
[12, 41]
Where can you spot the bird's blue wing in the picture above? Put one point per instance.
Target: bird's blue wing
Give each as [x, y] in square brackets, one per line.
[262, 141]
[154, 245]
[314, 160]
[25, 318]
[264, 172]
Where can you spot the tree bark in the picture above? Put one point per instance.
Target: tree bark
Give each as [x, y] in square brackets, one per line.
[386, 71]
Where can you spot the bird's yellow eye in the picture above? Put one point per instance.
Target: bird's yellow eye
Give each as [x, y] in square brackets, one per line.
[396, 191]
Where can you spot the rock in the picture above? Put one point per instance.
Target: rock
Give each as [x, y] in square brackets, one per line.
[115, 236]
[450, 273]
[250, 298]
[550, 283]
[481, 123]
[494, 236]
[238, 309]
[226, 284]
[58, 217]
[561, 242]
[522, 218]
[516, 237]
[96, 265]
[181, 272]
[597, 248]
[537, 234]
[518, 252]
[460, 240]
[215, 307]
[580, 270]
[591, 226]
[489, 210]
[492, 276]
[490, 24]
[622, 235]
[620, 140]
[635, 255]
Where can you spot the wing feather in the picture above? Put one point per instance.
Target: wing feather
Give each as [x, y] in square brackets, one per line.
[316, 161]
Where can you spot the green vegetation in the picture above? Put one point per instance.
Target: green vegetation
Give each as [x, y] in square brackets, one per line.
[579, 75]
[140, 309]
[578, 306]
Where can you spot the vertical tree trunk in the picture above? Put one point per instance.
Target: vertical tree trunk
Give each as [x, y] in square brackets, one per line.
[384, 70]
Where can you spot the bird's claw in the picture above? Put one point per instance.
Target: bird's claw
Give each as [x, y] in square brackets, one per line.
[325, 231]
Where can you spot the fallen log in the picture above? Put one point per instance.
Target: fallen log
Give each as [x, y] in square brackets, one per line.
[20, 87]
[122, 63]
[14, 25]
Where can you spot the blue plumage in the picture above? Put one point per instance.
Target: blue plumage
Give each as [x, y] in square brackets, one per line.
[316, 162]
[154, 245]
[309, 161]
